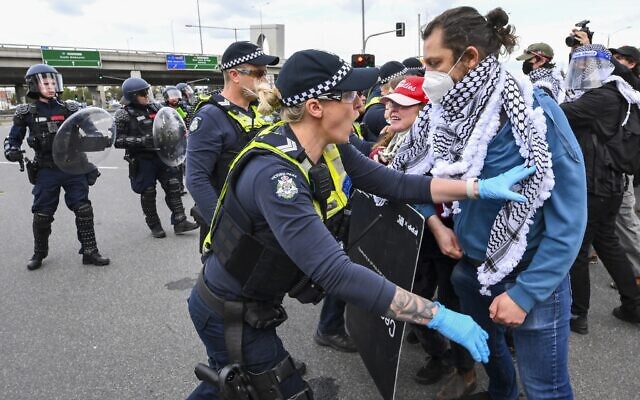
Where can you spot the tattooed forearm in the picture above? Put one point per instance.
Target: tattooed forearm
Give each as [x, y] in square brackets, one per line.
[409, 307]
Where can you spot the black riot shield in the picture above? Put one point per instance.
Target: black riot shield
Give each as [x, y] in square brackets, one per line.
[170, 136]
[84, 140]
[387, 240]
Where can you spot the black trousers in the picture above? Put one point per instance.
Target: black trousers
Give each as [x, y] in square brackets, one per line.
[434, 272]
[601, 232]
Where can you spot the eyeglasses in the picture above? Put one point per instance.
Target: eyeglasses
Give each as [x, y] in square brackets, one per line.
[256, 73]
[347, 97]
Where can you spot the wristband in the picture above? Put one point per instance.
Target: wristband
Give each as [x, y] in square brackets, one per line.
[471, 194]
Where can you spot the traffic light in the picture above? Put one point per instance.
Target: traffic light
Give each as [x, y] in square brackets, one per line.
[400, 29]
[363, 60]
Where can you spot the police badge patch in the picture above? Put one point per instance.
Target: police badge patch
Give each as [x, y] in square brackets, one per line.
[285, 185]
[194, 124]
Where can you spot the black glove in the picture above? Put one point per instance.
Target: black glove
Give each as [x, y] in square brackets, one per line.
[92, 176]
[13, 154]
[147, 141]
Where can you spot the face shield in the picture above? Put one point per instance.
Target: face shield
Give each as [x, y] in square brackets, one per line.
[588, 68]
[47, 84]
[172, 95]
[189, 95]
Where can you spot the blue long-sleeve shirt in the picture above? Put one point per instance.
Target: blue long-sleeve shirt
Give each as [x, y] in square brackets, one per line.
[212, 133]
[297, 228]
[558, 226]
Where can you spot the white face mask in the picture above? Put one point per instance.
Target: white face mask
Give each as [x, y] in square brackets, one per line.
[437, 83]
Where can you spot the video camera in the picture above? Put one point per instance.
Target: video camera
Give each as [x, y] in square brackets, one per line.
[571, 39]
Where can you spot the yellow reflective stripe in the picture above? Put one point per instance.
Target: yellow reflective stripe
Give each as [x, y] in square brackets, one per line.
[374, 100]
[357, 129]
[338, 199]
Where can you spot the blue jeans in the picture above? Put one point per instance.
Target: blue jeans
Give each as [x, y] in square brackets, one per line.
[262, 349]
[541, 342]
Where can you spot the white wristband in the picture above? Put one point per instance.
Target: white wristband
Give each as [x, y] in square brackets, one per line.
[471, 194]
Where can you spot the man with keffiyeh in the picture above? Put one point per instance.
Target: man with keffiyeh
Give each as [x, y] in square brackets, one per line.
[537, 65]
[514, 271]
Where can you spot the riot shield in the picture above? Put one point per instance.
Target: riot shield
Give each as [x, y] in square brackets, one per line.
[83, 140]
[170, 136]
[387, 240]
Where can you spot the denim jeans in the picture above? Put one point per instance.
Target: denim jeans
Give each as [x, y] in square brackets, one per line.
[541, 342]
[262, 349]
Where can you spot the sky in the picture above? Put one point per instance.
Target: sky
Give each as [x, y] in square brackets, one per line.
[332, 25]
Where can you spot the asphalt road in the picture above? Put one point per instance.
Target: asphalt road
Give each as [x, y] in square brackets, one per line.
[69, 331]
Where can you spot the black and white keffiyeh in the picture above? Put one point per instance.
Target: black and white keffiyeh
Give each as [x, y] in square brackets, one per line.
[549, 78]
[450, 140]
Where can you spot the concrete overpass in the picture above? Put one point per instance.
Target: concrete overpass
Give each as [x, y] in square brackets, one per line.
[16, 59]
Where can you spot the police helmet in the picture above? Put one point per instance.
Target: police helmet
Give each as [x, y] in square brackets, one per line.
[42, 80]
[171, 93]
[132, 87]
[188, 94]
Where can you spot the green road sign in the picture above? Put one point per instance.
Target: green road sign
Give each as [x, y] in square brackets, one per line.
[72, 58]
[201, 62]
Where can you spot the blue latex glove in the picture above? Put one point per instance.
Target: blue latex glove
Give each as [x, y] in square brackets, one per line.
[463, 330]
[499, 187]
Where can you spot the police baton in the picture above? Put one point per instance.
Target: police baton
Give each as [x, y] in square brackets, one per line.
[21, 161]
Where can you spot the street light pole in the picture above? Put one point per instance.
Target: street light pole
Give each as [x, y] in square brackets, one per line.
[611, 34]
[363, 39]
[200, 27]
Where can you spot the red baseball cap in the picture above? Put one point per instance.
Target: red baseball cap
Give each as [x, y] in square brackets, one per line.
[408, 92]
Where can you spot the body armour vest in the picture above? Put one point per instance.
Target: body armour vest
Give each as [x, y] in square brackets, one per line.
[43, 131]
[265, 273]
[246, 129]
[141, 124]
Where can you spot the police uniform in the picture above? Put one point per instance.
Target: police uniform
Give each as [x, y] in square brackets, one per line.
[134, 124]
[42, 119]
[217, 133]
[268, 238]
[373, 116]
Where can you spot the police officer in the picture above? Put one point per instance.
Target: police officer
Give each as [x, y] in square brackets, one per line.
[134, 123]
[414, 66]
[188, 94]
[43, 117]
[223, 125]
[268, 238]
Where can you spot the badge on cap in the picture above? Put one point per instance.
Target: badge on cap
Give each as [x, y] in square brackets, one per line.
[285, 185]
[194, 124]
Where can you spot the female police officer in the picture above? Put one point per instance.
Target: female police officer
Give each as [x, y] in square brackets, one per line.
[267, 238]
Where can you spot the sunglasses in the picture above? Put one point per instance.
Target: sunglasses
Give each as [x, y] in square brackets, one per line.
[256, 73]
[348, 97]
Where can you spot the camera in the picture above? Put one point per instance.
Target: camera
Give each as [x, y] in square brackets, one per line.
[571, 39]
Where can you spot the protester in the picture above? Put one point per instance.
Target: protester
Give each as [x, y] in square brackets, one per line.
[515, 256]
[537, 65]
[595, 118]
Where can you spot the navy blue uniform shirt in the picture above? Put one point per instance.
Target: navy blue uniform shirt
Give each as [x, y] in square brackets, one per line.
[210, 133]
[295, 226]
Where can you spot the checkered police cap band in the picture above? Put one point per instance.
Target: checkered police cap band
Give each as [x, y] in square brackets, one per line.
[241, 60]
[396, 75]
[322, 88]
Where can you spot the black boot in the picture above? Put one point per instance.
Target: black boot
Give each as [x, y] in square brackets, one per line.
[174, 202]
[87, 237]
[95, 259]
[41, 232]
[148, 201]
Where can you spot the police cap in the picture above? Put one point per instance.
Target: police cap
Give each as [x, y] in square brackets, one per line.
[310, 73]
[245, 53]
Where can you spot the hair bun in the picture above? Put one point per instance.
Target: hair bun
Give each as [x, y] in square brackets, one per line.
[497, 19]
